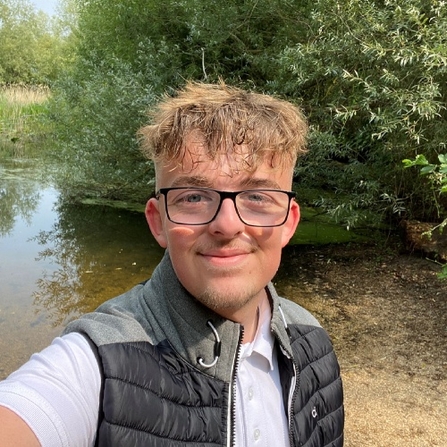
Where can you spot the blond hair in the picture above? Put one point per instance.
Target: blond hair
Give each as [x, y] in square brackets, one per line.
[228, 121]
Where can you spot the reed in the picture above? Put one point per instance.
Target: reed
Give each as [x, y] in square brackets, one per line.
[17, 95]
[21, 125]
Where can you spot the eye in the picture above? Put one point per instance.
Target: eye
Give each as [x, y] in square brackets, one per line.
[256, 197]
[263, 201]
[191, 197]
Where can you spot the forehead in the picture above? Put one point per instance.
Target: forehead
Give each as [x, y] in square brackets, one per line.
[236, 166]
[221, 173]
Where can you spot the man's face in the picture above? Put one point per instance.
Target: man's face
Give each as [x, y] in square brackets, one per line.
[224, 264]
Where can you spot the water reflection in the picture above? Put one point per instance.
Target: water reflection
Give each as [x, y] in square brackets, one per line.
[18, 195]
[98, 252]
[58, 260]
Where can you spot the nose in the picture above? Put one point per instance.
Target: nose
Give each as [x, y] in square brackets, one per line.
[227, 222]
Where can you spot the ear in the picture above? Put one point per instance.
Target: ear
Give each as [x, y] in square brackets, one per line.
[291, 223]
[154, 219]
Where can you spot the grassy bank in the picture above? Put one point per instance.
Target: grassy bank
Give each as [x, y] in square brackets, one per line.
[22, 126]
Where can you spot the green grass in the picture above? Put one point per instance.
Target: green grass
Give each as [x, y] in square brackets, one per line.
[22, 127]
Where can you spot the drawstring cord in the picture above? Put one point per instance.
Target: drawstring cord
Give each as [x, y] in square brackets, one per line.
[217, 347]
[284, 320]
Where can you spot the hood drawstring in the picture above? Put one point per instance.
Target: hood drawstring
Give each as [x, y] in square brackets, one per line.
[284, 320]
[217, 347]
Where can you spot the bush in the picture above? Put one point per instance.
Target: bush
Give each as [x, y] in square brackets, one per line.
[373, 81]
[130, 53]
[437, 179]
[96, 121]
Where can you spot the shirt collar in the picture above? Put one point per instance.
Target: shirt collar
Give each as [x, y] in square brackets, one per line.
[264, 342]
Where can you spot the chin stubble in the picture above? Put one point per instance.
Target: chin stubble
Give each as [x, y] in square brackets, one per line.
[216, 300]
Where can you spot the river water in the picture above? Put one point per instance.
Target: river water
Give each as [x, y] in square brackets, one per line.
[58, 261]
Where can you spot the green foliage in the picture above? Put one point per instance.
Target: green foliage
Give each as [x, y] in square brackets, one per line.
[97, 152]
[437, 172]
[437, 176]
[373, 81]
[128, 54]
[370, 76]
[32, 46]
[22, 120]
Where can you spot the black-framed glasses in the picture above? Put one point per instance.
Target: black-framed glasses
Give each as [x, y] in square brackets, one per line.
[200, 206]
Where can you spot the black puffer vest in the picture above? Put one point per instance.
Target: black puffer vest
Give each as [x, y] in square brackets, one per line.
[154, 398]
[156, 394]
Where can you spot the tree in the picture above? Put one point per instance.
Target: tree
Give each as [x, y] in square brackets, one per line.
[370, 76]
[31, 49]
[373, 80]
[128, 54]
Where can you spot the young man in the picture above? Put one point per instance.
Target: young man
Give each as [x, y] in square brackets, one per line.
[205, 352]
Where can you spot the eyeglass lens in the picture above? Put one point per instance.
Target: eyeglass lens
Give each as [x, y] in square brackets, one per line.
[254, 207]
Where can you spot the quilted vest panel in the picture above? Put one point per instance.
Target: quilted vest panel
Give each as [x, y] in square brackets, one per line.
[152, 397]
[317, 403]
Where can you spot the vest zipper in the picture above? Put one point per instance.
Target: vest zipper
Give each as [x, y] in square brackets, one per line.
[232, 404]
[294, 386]
[295, 381]
[293, 392]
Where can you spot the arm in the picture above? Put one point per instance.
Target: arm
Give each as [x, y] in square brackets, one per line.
[53, 399]
[14, 431]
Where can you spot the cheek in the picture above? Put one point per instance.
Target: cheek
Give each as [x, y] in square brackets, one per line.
[181, 244]
[269, 242]
[261, 235]
[266, 238]
[180, 237]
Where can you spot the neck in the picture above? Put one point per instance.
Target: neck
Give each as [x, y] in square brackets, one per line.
[248, 316]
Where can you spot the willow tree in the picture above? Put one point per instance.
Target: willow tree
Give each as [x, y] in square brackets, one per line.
[32, 51]
[373, 78]
[130, 53]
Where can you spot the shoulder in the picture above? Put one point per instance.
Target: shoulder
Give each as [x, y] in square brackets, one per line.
[57, 392]
[296, 314]
[121, 319]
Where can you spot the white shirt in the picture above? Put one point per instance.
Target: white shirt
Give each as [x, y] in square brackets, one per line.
[259, 402]
[57, 401]
[61, 404]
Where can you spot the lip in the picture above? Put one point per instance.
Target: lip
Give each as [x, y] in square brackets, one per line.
[226, 253]
[225, 257]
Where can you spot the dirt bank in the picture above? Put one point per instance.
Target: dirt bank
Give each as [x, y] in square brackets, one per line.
[386, 312]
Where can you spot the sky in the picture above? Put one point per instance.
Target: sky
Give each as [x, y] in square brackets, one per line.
[47, 6]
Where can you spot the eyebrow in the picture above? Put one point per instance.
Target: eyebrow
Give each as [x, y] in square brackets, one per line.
[193, 180]
[256, 183]
[248, 183]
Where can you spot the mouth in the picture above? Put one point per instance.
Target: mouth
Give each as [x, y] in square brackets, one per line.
[225, 257]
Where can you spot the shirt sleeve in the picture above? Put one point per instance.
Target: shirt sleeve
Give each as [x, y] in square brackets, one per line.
[57, 393]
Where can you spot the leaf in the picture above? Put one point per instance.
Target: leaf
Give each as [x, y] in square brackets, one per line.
[428, 169]
[420, 160]
[443, 273]
[408, 163]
